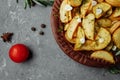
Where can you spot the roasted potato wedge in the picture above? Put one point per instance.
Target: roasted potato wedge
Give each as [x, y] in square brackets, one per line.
[65, 15]
[116, 14]
[80, 40]
[115, 26]
[86, 5]
[88, 46]
[73, 26]
[101, 41]
[104, 55]
[66, 26]
[88, 24]
[73, 40]
[100, 9]
[75, 3]
[115, 3]
[104, 22]
[116, 37]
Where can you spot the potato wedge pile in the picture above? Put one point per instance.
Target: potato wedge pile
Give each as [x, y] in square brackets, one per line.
[92, 25]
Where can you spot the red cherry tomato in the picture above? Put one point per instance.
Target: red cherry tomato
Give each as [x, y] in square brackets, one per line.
[19, 53]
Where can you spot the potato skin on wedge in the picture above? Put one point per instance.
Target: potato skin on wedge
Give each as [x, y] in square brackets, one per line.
[85, 7]
[73, 26]
[116, 14]
[115, 26]
[80, 40]
[103, 55]
[116, 37]
[99, 0]
[115, 3]
[75, 3]
[65, 16]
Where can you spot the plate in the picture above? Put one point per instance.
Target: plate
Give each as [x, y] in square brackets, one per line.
[82, 57]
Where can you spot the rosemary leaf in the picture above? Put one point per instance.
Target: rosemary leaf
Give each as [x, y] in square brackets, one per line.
[17, 1]
[51, 3]
[117, 53]
[26, 3]
[29, 3]
[42, 2]
[36, 2]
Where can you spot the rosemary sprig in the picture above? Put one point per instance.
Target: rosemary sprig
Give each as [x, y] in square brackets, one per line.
[31, 3]
[43, 2]
[117, 53]
[17, 1]
[25, 4]
[114, 70]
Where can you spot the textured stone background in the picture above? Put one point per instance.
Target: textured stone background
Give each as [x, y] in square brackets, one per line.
[48, 61]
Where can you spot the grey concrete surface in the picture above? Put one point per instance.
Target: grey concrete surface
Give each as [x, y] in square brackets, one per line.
[48, 61]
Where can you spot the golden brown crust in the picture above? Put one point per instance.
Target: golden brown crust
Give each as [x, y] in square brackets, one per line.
[116, 14]
[65, 16]
[115, 26]
[116, 37]
[72, 26]
[100, 0]
[115, 3]
[85, 7]
[80, 40]
[73, 40]
[104, 55]
[75, 3]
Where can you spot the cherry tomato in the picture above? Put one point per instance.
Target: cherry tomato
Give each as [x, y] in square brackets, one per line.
[19, 53]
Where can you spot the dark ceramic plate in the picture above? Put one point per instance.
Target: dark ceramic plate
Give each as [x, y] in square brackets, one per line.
[81, 57]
